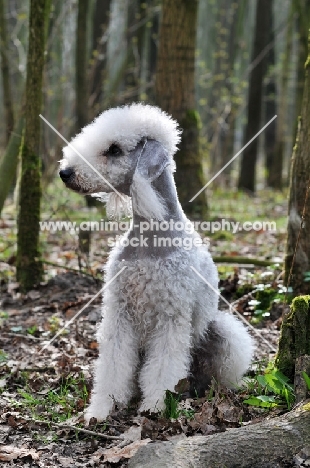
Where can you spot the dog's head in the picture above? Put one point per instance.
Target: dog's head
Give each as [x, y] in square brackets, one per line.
[121, 152]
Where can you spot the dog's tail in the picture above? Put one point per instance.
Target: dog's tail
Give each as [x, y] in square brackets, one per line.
[224, 354]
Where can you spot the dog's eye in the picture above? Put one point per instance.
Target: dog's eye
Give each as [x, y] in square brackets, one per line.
[114, 150]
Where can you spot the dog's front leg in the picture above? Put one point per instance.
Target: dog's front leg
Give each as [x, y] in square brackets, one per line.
[115, 367]
[167, 362]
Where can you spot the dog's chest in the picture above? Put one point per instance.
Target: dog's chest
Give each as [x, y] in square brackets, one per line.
[152, 291]
[140, 286]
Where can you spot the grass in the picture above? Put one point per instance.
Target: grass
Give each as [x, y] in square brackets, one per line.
[267, 205]
[172, 407]
[57, 404]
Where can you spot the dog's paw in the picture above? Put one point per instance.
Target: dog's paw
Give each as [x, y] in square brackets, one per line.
[152, 405]
[100, 413]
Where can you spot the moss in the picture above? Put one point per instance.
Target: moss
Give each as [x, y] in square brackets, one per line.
[295, 336]
[222, 235]
[189, 175]
[245, 288]
[306, 407]
[301, 303]
[265, 297]
[301, 314]
[192, 120]
[29, 267]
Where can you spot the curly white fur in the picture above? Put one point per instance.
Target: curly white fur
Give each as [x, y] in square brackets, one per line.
[157, 306]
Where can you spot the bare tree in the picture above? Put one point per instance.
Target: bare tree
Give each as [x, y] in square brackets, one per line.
[254, 111]
[297, 260]
[274, 163]
[101, 16]
[7, 95]
[174, 87]
[81, 88]
[29, 267]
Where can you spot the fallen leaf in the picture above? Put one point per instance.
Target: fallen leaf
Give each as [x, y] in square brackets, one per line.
[66, 461]
[115, 454]
[9, 452]
[93, 345]
[133, 433]
[3, 383]
[11, 421]
[228, 412]
[34, 294]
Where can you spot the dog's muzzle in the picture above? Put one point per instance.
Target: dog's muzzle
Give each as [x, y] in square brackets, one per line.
[66, 174]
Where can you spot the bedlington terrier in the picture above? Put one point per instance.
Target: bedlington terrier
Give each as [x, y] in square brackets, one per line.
[160, 319]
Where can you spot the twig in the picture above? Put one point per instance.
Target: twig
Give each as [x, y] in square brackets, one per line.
[46, 262]
[38, 369]
[245, 260]
[75, 428]
[20, 335]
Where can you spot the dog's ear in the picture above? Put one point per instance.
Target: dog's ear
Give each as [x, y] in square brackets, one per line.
[152, 160]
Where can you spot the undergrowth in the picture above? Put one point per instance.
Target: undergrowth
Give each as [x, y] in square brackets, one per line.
[57, 404]
[269, 388]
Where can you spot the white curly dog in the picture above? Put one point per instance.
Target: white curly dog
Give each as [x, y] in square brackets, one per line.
[160, 319]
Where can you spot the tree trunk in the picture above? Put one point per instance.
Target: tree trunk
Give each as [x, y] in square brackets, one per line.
[82, 94]
[301, 389]
[148, 49]
[283, 128]
[29, 268]
[7, 95]
[220, 99]
[81, 89]
[264, 445]
[130, 83]
[274, 163]
[235, 11]
[140, 17]
[249, 157]
[101, 18]
[297, 260]
[8, 163]
[174, 88]
[302, 8]
[295, 336]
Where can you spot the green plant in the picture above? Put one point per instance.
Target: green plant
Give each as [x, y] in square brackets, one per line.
[307, 276]
[45, 440]
[3, 316]
[3, 356]
[270, 389]
[265, 295]
[172, 407]
[30, 400]
[58, 404]
[32, 330]
[171, 410]
[55, 324]
[306, 379]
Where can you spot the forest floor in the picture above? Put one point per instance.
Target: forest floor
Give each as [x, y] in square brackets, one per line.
[43, 391]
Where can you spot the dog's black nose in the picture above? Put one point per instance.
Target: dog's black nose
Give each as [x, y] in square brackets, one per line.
[65, 174]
